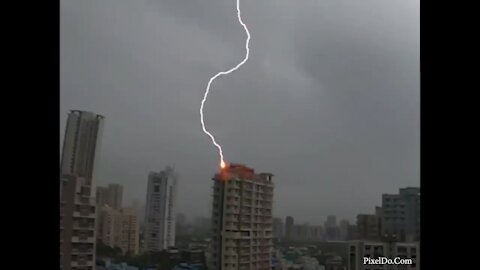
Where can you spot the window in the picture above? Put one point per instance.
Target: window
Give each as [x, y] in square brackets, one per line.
[156, 188]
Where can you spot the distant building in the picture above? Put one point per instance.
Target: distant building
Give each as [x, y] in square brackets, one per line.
[352, 232]
[101, 196]
[289, 228]
[111, 196]
[242, 219]
[278, 228]
[129, 232]
[119, 228]
[401, 214]
[160, 210]
[331, 221]
[332, 231]
[368, 227]
[109, 226]
[358, 250]
[78, 167]
[343, 229]
[300, 232]
[115, 196]
[316, 233]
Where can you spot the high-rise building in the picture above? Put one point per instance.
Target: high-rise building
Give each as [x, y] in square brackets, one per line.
[79, 161]
[101, 196]
[242, 219]
[332, 231]
[367, 227]
[160, 210]
[352, 232]
[278, 228]
[81, 145]
[115, 196]
[331, 221]
[181, 225]
[111, 196]
[289, 228]
[401, 214]
[343, 228]
[316, 233]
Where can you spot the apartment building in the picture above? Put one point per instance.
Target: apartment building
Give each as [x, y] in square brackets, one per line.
[79, 160]
[242, 219]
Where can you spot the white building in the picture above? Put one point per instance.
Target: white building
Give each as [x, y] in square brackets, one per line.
[160, 210]
[242, 219]
[80, 155]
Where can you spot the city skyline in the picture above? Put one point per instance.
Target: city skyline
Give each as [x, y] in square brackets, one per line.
[332, 94]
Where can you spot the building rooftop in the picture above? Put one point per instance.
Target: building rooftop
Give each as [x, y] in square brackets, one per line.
[237, 170]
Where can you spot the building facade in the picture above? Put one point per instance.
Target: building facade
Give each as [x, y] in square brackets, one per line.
[119, 228]
[278, 228]
[129, 232]
[368, 227]
[289, 228]
[332, 231]
[343, 229]
[115, 196]
[101, 196]
[401, 214]
[358, 250]
[79, 162]
[160, 210]
[242, 219]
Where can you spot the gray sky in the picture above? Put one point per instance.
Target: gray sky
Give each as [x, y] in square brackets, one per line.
[328, 101]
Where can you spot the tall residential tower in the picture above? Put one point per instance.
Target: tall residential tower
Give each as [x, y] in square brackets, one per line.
[242, 219]
[160, 210]
[79, 161]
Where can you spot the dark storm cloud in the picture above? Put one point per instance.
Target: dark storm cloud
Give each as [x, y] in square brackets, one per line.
[328, 102]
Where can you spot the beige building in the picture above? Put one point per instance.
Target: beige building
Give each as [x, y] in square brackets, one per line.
[368, 227]
[119, 229]
[77, 224]
[109, 226]
[242, 219]
[129, 239]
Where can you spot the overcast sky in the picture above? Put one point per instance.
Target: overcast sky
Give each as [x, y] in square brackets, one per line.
[328, 101]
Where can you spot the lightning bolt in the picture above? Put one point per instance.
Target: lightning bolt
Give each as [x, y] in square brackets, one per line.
[202, 120]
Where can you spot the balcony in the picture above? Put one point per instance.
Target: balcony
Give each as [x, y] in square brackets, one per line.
[82, 251]
[83, 239]
[84, 214]
[80, 263]
[231, 253]
[245, 244]
[232, 211]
